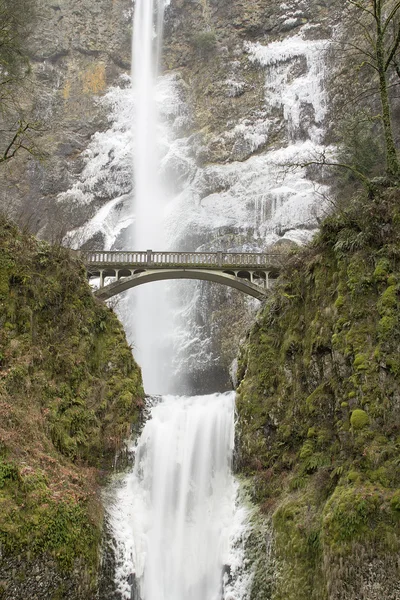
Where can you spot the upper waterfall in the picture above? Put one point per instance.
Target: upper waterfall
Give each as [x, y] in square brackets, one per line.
[146, 48]
[150, 320]
[210, 137]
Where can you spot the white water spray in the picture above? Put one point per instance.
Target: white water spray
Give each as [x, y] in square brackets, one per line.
[172, 517]
[175, 515]
[175, 512]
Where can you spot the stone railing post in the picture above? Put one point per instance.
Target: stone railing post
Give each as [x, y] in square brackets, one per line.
[219, 259]
[148, 256]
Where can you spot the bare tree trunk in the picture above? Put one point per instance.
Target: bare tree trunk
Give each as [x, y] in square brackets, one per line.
[392, 161]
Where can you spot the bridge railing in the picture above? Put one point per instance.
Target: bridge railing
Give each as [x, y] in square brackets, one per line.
[152, 259]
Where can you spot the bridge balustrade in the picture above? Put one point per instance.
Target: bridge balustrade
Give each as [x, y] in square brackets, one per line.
[129, 269]
[154, 259]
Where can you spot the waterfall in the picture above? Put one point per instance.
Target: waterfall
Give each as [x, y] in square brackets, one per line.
[148, 202]
[172, 517]
[175, 511]
[149, 320]
[244, 201]
[172, 503]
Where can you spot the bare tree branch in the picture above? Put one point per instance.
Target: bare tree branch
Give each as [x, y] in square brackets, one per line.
[21, 141]
[361, 7]
[390, 17]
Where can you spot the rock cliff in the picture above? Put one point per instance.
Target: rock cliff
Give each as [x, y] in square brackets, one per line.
[76, 50]
[70, 392]
[318, 407]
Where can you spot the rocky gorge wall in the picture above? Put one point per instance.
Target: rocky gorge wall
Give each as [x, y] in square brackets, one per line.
[251, 78]
[318, 414]
[70, 393]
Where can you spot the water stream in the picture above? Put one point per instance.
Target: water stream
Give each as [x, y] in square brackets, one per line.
[149, 319]
[175, 518]
[175, 515]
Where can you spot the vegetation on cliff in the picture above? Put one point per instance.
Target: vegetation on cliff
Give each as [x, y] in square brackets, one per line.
[69, 392]
[319, 410]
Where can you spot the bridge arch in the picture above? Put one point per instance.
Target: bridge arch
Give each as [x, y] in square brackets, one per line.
[228, 278]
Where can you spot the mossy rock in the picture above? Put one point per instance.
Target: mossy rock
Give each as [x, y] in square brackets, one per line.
[318, 419]
[359, 419]
[70, 392]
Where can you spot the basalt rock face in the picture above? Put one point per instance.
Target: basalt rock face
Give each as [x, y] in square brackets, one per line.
[206, 42]
[251, 78]
[77, 50]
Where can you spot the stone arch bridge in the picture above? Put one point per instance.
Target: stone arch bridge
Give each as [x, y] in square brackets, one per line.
[250, 273]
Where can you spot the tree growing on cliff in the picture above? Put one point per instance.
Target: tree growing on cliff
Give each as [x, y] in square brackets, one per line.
[374, 45]
[362, 82]
[16, 18]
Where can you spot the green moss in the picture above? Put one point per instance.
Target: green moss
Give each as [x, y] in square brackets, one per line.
[382, 269]
[205, 42]
[307, 450]
[33, 520]
[387, 326]
[318, 421]
[70, 392]
[360, 362]
[388, 300]
[298, 547]
[359, 419]
[395, 502]
[8, 473]
[358, 513]
[339, 302]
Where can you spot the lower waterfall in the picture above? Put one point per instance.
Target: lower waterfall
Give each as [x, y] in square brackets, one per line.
[174, 516]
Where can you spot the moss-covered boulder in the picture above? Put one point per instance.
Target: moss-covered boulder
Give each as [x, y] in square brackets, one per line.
[69, 394]
[319, 410]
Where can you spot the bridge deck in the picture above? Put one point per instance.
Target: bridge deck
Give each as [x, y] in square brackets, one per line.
[200, 260]
[250, 273]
